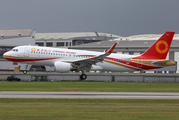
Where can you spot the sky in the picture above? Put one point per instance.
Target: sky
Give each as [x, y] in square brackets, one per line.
[119, 17]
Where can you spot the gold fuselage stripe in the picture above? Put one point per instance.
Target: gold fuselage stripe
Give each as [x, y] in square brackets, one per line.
[123, 65]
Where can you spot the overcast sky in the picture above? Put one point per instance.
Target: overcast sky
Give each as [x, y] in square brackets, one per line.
[120, 17]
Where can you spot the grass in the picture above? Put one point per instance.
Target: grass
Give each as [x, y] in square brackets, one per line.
[87, 109]
[89, 86]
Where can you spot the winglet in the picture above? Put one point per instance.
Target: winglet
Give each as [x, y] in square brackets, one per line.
[112, 48]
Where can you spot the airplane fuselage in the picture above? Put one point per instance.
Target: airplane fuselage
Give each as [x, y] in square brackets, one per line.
[47, 56]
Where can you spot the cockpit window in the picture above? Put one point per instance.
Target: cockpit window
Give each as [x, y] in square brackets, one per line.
[15, 50]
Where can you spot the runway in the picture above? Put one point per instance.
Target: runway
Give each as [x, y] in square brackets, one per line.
[89, 95]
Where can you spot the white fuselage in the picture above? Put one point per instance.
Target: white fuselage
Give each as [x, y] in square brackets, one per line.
[47, 56]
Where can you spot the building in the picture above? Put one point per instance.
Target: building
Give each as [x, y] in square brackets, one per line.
[94, 41]
[71, 39]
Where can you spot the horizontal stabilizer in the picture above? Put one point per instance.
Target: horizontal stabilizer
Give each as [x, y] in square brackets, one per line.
[164, 63]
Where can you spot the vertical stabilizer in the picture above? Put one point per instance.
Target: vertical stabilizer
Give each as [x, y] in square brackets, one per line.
[160, 48]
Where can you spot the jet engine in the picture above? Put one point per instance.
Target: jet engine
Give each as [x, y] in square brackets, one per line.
[62, 67]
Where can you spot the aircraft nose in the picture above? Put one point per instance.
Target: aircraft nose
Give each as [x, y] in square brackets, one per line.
[5, 54]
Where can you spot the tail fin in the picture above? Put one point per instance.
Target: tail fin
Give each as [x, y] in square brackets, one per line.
[160, 48]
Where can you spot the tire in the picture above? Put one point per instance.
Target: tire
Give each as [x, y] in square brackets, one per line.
[25, 72]
[83, 76]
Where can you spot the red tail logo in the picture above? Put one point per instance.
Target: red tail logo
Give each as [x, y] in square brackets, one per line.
[160, 48]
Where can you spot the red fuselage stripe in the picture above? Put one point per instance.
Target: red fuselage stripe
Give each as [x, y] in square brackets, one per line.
[28, 60]
[125, 62]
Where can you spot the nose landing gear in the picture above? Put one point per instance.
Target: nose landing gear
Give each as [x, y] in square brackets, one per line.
[25, 72]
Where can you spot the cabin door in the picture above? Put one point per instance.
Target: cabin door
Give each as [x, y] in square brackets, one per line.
[26, 52]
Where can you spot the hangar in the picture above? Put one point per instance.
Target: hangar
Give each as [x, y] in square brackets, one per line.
[94, 41]
[71, 39]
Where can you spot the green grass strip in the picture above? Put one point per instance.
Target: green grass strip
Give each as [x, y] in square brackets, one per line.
[87, 109]
[89, 86]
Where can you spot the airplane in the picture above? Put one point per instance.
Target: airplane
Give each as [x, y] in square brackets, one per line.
[66, 60]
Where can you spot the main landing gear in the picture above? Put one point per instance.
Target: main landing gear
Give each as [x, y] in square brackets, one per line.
[83, 76]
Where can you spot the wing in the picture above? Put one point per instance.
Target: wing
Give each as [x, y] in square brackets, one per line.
[85, 64]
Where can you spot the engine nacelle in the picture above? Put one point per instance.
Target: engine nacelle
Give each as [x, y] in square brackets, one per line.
[62, 66]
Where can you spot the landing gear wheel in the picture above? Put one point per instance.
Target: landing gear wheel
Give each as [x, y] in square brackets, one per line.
[25, 72]
[83, 76]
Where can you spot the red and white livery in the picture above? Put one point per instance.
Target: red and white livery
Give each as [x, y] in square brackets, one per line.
[65, 60]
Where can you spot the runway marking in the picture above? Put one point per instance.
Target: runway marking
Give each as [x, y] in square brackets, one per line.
[90, 95]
